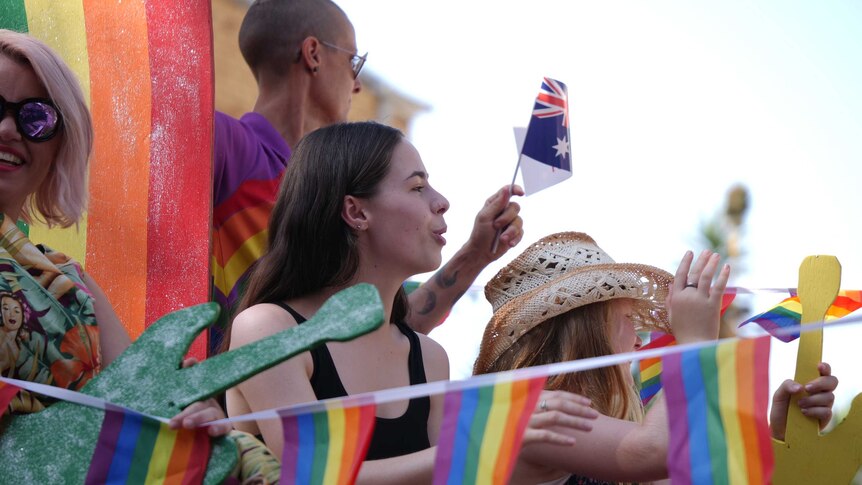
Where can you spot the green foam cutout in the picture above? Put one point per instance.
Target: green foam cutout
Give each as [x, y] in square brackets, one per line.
[55, 445]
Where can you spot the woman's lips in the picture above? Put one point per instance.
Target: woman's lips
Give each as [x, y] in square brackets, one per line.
[10, 158]
[438, 235]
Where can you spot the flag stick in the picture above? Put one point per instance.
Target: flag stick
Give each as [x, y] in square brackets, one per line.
[496, 242]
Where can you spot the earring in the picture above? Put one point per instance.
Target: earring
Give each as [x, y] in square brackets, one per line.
[314, 69]
[359, 227]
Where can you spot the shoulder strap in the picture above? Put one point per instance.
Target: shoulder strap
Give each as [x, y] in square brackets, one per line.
[415, 363]
[296, 316]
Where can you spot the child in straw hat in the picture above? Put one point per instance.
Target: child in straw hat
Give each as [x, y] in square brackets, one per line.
[563, 299]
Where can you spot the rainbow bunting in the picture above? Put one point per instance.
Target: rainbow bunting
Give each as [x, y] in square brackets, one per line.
[145, 67]
[7, 393]
[650, 369]
[717, 397]
[788, 313]
[482, 429]
[135, 449]
[727, 298]
[326, 447]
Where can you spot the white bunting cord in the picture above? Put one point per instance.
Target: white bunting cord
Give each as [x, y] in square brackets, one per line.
[730, 290]
[438, 387]
[73, 397]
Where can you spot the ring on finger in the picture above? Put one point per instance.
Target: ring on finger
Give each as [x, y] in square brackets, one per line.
[544, 405]
[691, 285]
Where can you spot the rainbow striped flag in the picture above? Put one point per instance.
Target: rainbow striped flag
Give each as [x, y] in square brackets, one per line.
[649, 375]
[135, 449]
[326, 447]
[727, 299]
[146, 70]
[7, 393]
[718, 398]
[788, 313]
[482, 429]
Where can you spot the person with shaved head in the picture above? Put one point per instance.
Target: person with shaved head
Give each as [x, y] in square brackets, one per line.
[304, 58]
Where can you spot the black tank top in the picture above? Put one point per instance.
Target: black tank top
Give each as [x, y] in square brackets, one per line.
[405, 434]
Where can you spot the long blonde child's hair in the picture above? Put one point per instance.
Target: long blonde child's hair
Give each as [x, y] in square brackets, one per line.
[580, 333]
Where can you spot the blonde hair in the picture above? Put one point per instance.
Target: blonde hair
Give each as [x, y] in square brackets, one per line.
[580, 333]
[61, 199]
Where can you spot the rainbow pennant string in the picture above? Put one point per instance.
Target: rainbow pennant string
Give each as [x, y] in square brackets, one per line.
[482, 429]
[7, 393]
[650, 369]
[788, 313]
[135, 449]
[327, 447]
[717, 398]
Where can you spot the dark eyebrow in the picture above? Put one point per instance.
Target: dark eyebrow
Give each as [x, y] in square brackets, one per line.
[418, 173]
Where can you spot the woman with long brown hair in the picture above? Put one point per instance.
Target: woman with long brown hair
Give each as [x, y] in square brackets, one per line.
[356, 206]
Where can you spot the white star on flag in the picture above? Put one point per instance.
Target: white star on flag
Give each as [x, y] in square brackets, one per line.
[536, 175]
[562, 147]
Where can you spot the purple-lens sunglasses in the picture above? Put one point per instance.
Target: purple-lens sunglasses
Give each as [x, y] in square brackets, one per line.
[37, 119]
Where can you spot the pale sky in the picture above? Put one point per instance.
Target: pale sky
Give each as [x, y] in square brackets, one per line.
[670, 104]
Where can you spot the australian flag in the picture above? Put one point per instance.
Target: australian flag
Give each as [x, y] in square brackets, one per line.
[546, 154]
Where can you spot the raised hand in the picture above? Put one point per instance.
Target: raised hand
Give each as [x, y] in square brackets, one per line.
[498, 213]
[433, 300]
[694, 301]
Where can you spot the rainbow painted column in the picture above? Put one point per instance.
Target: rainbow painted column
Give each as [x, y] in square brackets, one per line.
[146, 70]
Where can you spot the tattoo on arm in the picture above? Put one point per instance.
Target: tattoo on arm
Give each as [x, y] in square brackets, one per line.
[443, 281]
[430, 303]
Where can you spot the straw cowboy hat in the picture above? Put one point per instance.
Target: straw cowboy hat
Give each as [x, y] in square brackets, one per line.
[561, 272]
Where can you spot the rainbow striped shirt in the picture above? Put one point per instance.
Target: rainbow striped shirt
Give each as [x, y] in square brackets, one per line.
[249, 160]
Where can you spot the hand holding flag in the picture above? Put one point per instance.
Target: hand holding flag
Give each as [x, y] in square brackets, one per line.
[501, 214]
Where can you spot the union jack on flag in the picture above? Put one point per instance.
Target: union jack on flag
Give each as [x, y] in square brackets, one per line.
[546, 153]
[553, 100]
